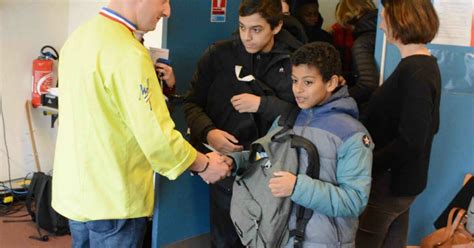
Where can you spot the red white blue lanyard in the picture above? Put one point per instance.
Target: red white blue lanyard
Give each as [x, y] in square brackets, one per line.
[114, 16]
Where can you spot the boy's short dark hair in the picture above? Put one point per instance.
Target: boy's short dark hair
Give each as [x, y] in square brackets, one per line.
[412, 22]
[321, 55]
[270, 10]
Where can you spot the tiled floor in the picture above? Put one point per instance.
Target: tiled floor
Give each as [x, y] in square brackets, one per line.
[16, 234]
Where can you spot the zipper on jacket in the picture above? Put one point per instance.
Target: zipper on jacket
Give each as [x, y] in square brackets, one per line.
[308, 120]
[255, 124]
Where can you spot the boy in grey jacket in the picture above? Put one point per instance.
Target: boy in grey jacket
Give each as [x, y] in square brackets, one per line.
[328, 119]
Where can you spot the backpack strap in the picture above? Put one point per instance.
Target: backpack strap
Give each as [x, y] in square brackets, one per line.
[35, 192]
[30, 197]
[39, 196]
[303, 215]
[288, 118]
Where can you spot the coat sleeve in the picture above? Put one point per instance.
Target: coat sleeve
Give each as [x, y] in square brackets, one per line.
[364, 64]
[350, 195]
[135, 91]
[197, 119]
[271, 107]
[240, 160]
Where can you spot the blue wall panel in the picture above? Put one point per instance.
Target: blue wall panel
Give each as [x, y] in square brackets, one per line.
[453, 148]
[182, 206]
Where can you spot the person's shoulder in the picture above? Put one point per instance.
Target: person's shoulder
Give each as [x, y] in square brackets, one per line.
[287, 40]
[359, 140]
[218, 49]
[415, 62]
[223, 45]
[224, 52]
[341, 125]
[418, 67]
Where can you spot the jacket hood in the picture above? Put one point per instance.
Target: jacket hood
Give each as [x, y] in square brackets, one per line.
[292, 25]
[367, 23]
[284, 39]
[339, 102]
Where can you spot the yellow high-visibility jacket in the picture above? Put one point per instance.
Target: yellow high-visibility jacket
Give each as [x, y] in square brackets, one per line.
[114, 127]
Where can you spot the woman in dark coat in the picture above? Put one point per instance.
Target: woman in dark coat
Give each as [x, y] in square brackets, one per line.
[361, 17]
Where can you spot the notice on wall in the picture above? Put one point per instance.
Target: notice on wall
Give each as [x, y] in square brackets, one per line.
[218, 10]
[456, 22]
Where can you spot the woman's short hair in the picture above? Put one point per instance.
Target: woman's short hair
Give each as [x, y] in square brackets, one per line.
[411, 22]
[270, 10]
[349, 11]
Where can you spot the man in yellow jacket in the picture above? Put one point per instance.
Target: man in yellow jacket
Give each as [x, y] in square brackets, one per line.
[115, 129]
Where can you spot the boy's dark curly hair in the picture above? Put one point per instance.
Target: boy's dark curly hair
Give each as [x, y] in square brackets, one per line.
[322, 55]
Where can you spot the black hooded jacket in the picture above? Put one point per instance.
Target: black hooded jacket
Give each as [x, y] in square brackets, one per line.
[208, 106]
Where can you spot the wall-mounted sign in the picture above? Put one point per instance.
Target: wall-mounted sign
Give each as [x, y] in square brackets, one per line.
[218, 10]
[456, 22]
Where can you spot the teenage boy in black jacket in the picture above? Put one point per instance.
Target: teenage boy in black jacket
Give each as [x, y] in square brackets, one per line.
[239, 88]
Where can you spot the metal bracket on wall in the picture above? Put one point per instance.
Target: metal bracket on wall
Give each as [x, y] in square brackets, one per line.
[50, 111]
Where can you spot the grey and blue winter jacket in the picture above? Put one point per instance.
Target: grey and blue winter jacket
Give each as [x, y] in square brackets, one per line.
[341, 193]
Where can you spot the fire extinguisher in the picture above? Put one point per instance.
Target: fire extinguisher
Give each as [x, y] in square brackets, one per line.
[42, 74]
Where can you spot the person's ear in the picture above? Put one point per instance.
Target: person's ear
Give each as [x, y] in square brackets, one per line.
[277, 28]
[332, 83]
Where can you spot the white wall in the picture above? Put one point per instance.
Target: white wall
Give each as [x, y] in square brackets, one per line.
[26, 26]
[327, 8]
[82, 10]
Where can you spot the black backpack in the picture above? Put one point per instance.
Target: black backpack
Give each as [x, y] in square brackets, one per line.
[260, 219]
[38, 204]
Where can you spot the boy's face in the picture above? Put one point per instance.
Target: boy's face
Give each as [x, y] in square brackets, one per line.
[310, 14]
[309, 87]
[256, 33]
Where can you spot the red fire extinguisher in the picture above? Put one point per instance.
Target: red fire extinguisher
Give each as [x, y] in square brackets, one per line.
[42, 74]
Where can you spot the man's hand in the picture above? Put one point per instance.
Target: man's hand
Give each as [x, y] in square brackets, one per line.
[219, 167]
[165, 72]
[223, 141]
[246, 103]
[282, 184]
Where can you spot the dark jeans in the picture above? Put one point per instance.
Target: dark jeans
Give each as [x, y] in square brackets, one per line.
[108, 233]
[384, 222]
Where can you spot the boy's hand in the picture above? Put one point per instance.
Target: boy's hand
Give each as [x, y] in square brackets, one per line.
[282, 184]
[245, 103]
[223, 141]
